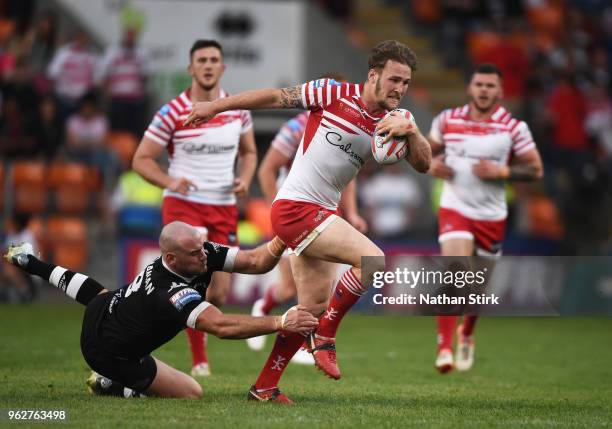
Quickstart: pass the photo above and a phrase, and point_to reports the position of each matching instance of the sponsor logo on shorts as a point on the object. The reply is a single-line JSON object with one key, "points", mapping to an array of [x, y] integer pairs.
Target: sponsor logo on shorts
{"points": [[184, 297], [320, 214], [447, 227], [300, 237]]}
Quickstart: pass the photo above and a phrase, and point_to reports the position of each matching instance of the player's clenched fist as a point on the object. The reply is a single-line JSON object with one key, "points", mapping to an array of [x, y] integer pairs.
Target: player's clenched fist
{"points": [[439, 168], [297, 319], [181, 185]]}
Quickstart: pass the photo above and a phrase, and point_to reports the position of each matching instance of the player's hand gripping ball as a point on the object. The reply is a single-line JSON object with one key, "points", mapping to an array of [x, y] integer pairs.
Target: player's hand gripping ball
{"points": [[396, 148]]}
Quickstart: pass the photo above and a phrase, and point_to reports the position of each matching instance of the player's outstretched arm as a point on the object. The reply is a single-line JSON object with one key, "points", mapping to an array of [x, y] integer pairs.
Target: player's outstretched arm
{"points": [[269, 98], [238, 326], [261, 259]]}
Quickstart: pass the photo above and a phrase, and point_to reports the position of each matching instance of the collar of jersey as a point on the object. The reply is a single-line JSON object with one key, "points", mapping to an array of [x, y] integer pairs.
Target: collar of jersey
{"points": [[364, 111], [499, 111], [187, 93], [187, 279]]}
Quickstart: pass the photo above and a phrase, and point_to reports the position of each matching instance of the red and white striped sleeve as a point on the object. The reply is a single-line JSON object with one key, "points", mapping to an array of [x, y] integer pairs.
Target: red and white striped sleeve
{"points": [[247, 121], [320, 93], [522, 141], [436, 133], [288, 138], [162, 126]]}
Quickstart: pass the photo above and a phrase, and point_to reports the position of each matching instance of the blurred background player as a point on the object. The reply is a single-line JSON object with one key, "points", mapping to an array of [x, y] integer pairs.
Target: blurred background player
{"points": [[200, 185], [124, 71], [272, 172], [336, 144], [476, 148]]}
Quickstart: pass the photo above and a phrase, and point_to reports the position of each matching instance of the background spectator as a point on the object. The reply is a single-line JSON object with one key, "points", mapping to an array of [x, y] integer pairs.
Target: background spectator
{"points": [[124, 72], [72, 71]]}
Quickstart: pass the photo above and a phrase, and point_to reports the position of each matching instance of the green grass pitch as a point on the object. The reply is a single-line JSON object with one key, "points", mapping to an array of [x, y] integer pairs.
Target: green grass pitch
{"points": [[529, 372]]}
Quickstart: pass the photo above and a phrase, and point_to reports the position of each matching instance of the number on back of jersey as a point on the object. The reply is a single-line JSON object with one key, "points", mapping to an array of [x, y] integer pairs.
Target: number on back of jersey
{"points": [[135, 285]]}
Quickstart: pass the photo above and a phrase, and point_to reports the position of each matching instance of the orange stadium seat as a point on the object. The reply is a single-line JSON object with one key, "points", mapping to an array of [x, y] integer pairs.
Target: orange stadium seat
{"points": [[29, 184], [545, 220], [480, 42], [73, 185], [428, 11], [258, 212], [124, 144], [7, 26], [66, 241]]}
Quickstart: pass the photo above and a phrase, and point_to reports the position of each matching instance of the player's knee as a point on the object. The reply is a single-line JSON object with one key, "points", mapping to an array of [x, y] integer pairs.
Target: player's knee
{"points": [[318, 308], [373, 257], [375, 261]]}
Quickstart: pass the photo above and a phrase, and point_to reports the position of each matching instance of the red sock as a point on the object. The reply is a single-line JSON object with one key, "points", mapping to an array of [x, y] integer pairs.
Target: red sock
{"points": [[469, 321], [446, 329], [197, 343], [269, 300], [347, 293], [285, 346]]}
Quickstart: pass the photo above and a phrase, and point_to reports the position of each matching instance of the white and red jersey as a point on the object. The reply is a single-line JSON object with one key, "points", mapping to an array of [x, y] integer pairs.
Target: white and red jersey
{"points": [[466, 142], [204, 154], [287, 141], [125, 71], [335, 145], [73, 71]]}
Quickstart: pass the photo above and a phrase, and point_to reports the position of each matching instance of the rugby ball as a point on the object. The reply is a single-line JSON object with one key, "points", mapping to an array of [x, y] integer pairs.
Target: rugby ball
{"points": [[393, 150]]}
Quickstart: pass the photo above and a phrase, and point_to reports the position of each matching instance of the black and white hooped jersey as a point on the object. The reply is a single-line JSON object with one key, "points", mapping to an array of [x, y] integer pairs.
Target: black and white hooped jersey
{"points": [[158, 304]]}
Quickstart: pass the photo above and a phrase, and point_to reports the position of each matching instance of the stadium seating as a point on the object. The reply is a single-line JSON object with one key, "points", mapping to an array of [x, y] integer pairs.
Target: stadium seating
{"points": [[73, 185], [29, 184], [124, 144], [66, 242]]}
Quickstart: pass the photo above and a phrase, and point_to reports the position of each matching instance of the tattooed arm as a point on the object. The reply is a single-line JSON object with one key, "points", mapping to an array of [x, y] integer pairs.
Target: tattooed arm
{"points": [[525, 167], [269, 98]]}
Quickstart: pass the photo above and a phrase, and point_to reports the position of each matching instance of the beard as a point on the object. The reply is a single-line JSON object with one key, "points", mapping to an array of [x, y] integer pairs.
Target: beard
{"points": [[379, 94], [207, 86], [487, 106]]}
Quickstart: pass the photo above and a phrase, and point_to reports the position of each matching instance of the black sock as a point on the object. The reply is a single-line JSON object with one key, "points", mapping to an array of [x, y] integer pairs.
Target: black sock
{"points": [[76, 285]]}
